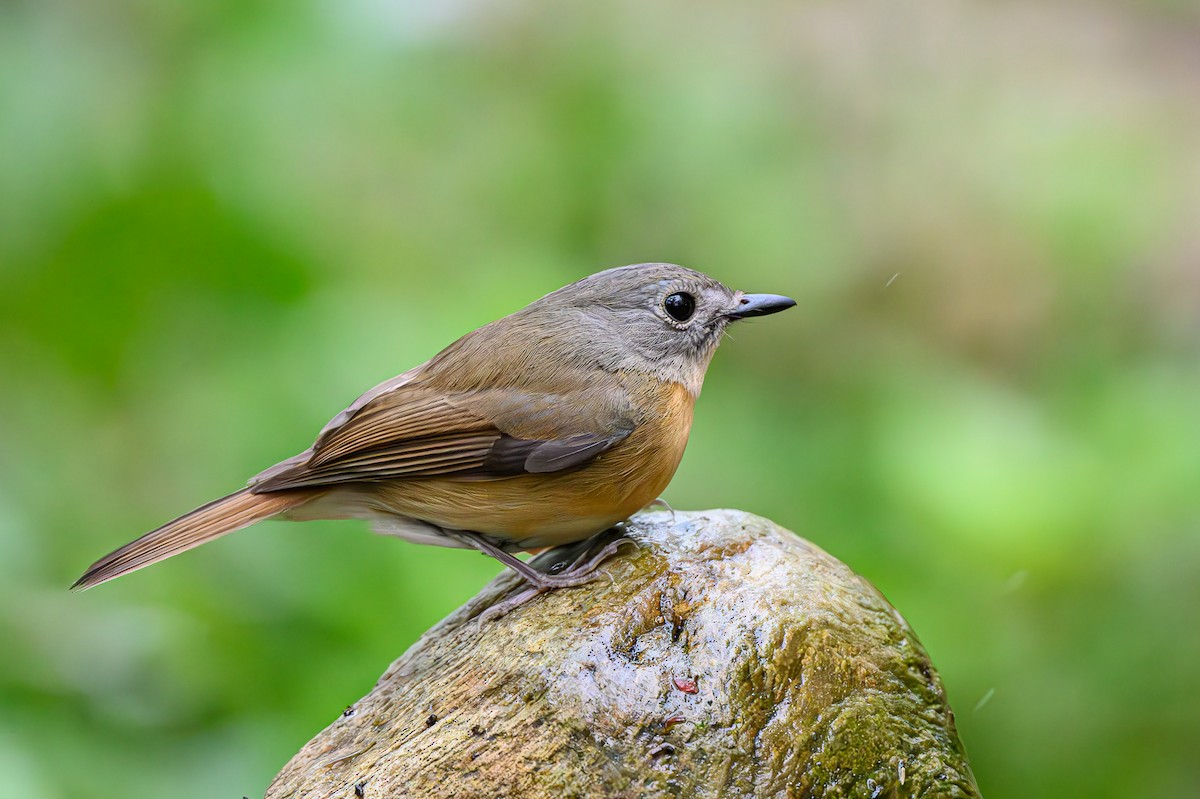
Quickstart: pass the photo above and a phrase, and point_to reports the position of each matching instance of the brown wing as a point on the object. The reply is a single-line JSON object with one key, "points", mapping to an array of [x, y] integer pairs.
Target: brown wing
{"points": [[415, 432]]}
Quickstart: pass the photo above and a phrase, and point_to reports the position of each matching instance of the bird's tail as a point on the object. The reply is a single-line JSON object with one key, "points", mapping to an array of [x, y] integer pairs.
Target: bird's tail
{"points": [[221, 516]]}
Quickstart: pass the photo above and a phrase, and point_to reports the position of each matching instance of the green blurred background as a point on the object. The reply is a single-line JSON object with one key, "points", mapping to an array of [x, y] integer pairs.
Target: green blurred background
{"points": [[220, 222]]}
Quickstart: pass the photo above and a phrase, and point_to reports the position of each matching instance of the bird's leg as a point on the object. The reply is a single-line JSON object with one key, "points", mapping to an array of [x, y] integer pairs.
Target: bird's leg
{"points": [[477, 541], [560, 572], [581, 570]]}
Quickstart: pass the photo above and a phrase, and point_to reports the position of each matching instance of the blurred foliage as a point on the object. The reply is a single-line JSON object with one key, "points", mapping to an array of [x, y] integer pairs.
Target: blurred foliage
{"points": [[219, 222]]}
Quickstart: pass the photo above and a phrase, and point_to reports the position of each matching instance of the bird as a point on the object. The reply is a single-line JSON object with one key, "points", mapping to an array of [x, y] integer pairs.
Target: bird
{"points": [[544, 428]]}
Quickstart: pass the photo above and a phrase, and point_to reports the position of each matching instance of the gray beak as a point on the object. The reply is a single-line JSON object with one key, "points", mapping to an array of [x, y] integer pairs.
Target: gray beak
{"points": [[760, 305]]}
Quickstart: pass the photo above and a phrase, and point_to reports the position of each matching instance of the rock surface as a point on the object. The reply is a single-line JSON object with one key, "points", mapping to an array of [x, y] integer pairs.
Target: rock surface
{"points": [[727, 658]]}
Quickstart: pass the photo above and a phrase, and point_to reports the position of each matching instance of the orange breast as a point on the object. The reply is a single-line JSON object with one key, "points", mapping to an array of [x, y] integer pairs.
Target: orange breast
{"points": [[537, 510]]}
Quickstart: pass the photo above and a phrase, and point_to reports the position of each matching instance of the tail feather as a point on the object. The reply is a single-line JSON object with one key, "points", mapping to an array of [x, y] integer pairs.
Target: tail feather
{"points": [[221, 516]]}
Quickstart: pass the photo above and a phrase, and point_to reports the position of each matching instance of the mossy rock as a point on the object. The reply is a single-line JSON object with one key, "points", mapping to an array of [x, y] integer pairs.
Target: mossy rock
{"points": [[726, 658]]}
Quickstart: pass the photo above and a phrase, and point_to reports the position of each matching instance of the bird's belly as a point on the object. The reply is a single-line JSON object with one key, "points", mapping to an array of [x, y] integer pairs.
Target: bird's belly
{"points": [[530, 510]]}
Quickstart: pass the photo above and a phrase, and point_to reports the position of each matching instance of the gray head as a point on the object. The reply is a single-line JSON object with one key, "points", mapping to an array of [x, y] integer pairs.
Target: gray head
{"points": [[655, 317]]}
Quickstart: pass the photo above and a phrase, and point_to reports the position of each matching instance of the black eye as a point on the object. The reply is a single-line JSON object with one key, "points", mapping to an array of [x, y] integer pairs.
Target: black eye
{"points": [[680, 306]]}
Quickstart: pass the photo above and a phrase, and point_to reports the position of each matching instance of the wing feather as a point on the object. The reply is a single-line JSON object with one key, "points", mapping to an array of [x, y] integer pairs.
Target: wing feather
{"points": [[411, 431], [395, 417]]}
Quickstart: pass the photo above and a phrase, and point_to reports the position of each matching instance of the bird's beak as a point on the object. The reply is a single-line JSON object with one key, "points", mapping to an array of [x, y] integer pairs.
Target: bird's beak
{"points": [[760, 305]]}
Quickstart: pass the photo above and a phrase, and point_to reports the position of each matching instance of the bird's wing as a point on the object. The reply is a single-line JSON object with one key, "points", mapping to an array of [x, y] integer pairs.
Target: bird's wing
{"points": [[414, 431]]}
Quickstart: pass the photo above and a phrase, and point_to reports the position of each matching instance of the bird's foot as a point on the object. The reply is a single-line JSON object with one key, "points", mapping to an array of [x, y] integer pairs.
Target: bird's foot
{"points": [[559, 572], [663, 504], [506, 606], [562, 567]]}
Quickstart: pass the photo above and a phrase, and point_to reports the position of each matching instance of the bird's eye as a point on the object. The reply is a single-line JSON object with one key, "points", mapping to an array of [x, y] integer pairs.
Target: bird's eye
{"points": [[680, 306]]}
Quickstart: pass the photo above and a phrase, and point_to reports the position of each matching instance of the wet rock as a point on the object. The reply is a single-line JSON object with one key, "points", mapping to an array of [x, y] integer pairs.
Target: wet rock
{"points": [[727, 657]]}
